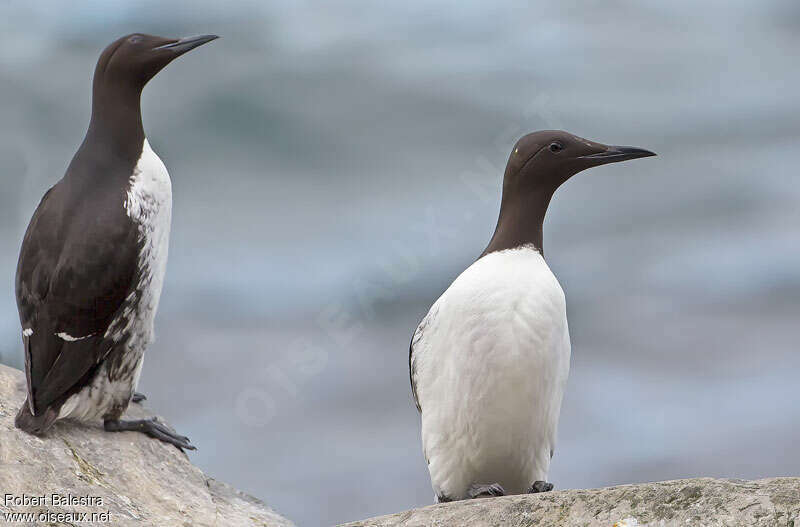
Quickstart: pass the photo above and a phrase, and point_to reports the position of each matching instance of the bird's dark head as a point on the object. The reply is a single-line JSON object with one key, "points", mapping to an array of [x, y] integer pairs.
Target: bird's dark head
{"points": [[131, 61], [546, 159], [539, 163]]}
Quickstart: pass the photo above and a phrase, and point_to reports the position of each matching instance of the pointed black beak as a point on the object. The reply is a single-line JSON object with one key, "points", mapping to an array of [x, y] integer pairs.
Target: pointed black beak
{"points": [[613, 154], [179, 47]]}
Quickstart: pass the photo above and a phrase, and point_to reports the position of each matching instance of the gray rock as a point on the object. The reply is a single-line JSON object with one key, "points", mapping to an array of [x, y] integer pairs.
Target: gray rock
{"points": [[140, 481], [698, 502]]}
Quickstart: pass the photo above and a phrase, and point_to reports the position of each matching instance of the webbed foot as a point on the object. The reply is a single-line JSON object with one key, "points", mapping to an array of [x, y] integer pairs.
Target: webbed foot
{"points": [[152, 428], [485, 491], [540, 486]]}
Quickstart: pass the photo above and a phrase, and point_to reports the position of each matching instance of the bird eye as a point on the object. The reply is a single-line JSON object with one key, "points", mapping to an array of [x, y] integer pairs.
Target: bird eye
{"points": [[135, 39], [556, 147]]}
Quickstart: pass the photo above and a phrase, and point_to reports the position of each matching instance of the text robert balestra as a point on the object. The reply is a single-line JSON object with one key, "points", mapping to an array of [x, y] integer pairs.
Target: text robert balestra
{"points": [[54, 499]]}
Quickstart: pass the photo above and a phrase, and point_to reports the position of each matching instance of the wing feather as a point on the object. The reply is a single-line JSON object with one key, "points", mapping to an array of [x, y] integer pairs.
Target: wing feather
{"points": [[419, 335], [77, 266]]}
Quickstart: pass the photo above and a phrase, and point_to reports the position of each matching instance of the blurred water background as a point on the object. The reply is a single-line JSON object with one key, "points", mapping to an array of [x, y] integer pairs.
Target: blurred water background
{"points": [[336, 165]]}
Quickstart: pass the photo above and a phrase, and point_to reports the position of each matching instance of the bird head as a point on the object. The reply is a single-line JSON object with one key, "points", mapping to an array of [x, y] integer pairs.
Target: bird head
{"points": [[133, 60], [544, 160]]}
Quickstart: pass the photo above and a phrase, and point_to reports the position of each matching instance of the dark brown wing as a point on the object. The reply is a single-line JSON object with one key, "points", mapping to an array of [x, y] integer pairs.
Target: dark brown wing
{"points": [[76, 267], [412, 375], [419, 334]]}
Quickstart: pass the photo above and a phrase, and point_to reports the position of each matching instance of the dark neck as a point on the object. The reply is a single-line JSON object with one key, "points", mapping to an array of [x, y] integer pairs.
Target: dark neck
{"points": [[520, 222], [115, 129]]}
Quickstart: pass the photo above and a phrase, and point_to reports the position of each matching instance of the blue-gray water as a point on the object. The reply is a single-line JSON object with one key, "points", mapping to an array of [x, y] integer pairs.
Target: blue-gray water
{"points": [[335, 166]]}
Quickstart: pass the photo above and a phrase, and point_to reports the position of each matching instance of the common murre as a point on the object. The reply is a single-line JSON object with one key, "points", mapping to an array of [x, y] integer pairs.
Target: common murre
{"points": [[94, 255], [489, 362]]}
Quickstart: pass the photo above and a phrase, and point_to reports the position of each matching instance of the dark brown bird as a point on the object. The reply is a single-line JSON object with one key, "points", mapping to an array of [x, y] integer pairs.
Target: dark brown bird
{"points": [[93, 258]]}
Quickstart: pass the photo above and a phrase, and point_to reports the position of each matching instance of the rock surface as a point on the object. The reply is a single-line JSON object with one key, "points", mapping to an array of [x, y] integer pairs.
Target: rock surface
{"points": [[703, 502], [136, 480], [140, 481]]}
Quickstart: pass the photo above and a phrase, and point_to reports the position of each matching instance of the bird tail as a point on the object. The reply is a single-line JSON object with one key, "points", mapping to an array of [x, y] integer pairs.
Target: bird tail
{"points": [[35, 424]]}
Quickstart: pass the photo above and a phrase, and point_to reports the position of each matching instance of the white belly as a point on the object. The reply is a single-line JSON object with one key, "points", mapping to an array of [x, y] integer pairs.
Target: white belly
{"points": [[491, 362], [98, 398], [149, 206]]}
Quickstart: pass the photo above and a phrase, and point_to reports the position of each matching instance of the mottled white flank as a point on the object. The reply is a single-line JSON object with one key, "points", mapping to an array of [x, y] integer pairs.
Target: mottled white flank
{"points": [[149, 206], [491, 361], [70, 338], [27, 332]]}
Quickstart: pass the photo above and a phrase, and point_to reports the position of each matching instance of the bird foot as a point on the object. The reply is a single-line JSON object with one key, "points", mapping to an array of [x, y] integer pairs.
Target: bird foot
{"points": [[485, 491], [152, 428], [138, 397], [540, 486]]}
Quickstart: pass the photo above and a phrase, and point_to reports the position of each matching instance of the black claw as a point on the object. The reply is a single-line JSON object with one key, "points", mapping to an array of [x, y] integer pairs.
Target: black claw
{"points": [[152, 428], [486, 491], [540, 486], [138, 397], [166, 430]]}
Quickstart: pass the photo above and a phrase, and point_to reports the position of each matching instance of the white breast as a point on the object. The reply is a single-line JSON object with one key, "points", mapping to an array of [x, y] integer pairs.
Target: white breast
{"points": [[149, 205], [491, 361]]}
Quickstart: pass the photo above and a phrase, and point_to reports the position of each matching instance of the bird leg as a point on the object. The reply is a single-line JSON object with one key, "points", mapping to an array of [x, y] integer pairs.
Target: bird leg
{"points": [[540, 486], [138, 397], [150, 427], [485, 491]]}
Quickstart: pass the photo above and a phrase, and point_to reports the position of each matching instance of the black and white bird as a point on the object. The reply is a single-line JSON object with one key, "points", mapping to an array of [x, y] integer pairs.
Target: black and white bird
{"points": [[489, 362], [93, 258]]}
